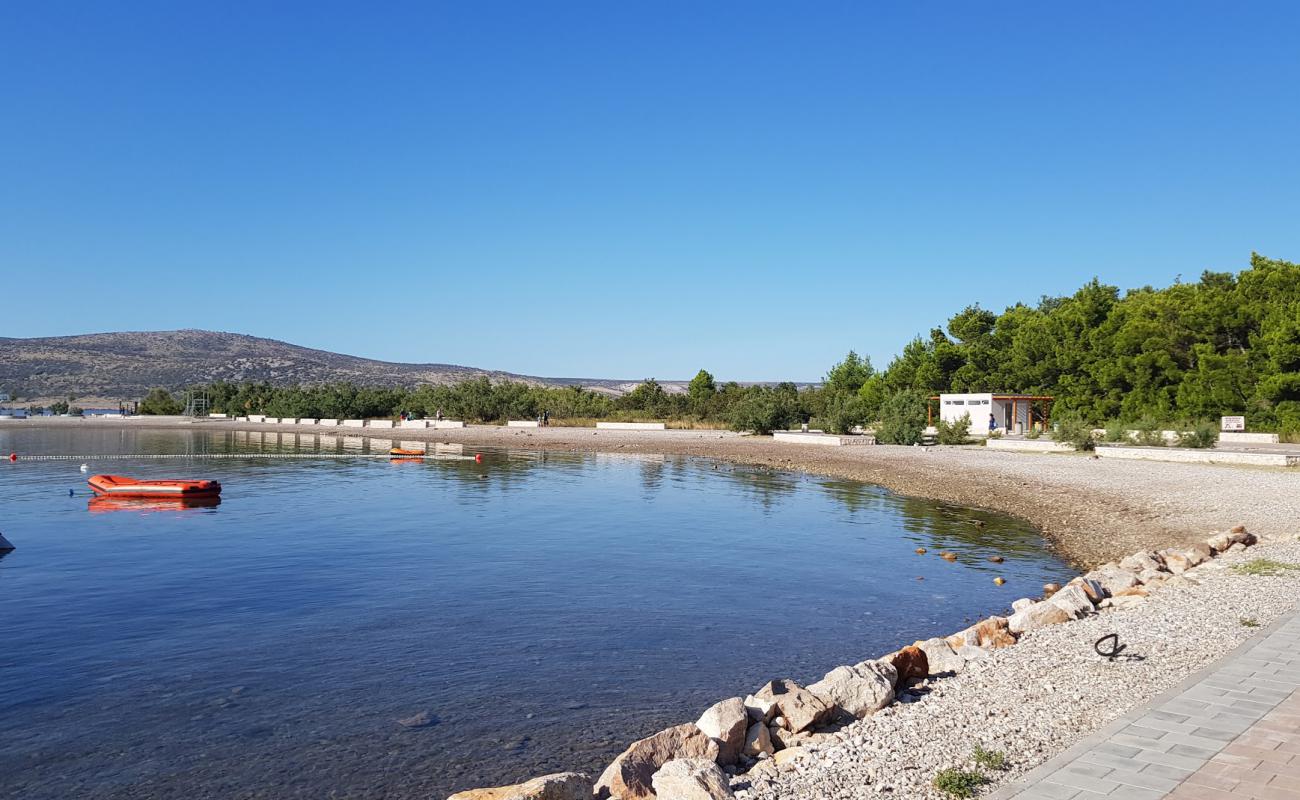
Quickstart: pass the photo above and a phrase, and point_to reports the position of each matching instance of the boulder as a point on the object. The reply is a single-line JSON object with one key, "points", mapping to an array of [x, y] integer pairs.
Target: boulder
{"points": [[1219, 542], [760, 709], [1175, 561], [1091, 587], [1039, 615], [1199, 553], [790, 754], [726, 723], [990, 633], [860, 690], [629, 776], [909, 663], [1240, 535], [1237, 529], [1021, 604], [1112, 578], [758, 740], [940, 657], [1149, 561], [691, 779], [1152, 577], [1074, 601], [969, 653], [560, 786], [801, 708]]}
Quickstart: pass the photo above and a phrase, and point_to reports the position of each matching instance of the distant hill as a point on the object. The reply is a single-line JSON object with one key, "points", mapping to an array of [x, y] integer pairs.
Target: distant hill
{"points": [[124, 366]]}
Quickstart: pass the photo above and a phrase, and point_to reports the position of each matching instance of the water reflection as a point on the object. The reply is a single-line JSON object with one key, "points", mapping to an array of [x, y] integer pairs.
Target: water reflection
{"points": [[101, 504]]}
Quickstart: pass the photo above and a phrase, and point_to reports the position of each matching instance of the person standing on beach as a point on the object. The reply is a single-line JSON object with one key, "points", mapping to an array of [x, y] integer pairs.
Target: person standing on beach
{"points": [[993, 422]]}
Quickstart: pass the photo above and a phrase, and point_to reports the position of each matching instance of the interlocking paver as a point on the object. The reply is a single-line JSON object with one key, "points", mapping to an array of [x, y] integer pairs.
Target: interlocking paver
{"points": [[1232, 733]]}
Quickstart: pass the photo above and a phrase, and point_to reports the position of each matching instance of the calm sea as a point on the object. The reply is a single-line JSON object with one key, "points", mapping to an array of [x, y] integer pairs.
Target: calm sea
{"points": [[541, 610]]}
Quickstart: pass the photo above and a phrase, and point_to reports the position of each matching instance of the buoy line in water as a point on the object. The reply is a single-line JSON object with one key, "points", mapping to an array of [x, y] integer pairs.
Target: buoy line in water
{"points": [[133, 456]]}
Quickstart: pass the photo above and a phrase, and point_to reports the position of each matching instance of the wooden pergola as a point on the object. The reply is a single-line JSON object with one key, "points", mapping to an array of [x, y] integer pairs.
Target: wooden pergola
{"points": [[1016, 399]]}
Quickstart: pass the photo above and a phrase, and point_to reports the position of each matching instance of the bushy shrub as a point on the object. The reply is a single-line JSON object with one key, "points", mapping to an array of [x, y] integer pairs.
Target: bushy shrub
{"points": [[160, 402], [902, 418], [955, 432], [1116, 431], [1034, 433], [762, 412], [1202, 434], [1076, 433], [959, 782], [843, 412], [1149, 433], [989, 759]]}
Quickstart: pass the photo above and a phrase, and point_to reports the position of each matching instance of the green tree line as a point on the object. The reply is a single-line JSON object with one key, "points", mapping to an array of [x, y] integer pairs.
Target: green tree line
{"points": [[1227, 344]]}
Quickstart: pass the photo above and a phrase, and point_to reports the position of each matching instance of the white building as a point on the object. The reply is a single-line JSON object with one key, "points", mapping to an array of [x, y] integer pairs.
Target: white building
{"points": [[1013, 413]]}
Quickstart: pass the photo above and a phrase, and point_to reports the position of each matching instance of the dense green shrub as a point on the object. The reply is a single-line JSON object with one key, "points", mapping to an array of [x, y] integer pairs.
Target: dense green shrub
{"points": [[1076, 433], [1116, 432], [1150, 433], [763, 412], [959, 782], [842, 412], [902, 418], [160, 402], [955, 432], [1202, 434]]}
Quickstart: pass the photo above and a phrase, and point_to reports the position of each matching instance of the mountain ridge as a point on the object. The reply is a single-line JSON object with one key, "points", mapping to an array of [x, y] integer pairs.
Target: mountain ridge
{"points": [[124, 365]]}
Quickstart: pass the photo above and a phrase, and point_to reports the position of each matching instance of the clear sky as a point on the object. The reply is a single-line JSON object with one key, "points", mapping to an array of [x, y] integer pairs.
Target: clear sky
{"points": [[623, 189]]}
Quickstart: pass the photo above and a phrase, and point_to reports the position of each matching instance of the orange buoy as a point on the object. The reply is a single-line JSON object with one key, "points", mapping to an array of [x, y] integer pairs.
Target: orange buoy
{"points": [[478, 458]]}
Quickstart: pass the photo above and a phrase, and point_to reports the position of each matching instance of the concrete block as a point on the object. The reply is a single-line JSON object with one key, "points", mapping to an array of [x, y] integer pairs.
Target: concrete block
{"points": [[1194, 456], [329, 423], [1043, 445], [415, 423], [271, 420], [306, 421], [445, 424], [256, 418], [631, 426], [379, 423], [523, 423], [354, 423], [1229, 437], [825, 439]]}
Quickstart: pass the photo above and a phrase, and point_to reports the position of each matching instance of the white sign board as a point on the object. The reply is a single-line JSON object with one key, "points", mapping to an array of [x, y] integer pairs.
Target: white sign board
{"points": [[1233, 424]]}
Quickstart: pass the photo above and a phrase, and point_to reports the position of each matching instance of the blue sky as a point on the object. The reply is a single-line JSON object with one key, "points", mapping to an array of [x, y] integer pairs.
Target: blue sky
{"points": [[629, 189]]}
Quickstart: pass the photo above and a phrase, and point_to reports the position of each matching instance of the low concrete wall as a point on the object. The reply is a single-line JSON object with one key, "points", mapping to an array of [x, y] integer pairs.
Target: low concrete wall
{"points": [[631, 426], [1233, 437], [523, 423], [354, 423], [825, 439], [288, 420], [445, 424], [210, 416], [379, 423], [415, 423], [306, 422], [271, 420], [329, 423], [256, 418], [1196, 456], [1029, 445]]}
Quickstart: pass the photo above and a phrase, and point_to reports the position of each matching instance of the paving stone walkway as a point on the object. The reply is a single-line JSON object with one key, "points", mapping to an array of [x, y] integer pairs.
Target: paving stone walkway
{"points": [[1230, 732]]}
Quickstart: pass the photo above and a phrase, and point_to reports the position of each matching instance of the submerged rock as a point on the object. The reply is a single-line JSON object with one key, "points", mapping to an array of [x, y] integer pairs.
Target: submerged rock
{"points": [[630, 775], [422, 719], [559, 786], [691, 779]]}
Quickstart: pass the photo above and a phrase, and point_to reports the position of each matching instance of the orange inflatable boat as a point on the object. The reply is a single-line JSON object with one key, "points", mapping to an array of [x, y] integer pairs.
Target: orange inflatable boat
{"points": [[401, 452], [120, 486]]}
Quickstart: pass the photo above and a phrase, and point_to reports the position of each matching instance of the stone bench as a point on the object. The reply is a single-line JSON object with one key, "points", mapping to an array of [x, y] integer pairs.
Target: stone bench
{"points": [[631, 426]]}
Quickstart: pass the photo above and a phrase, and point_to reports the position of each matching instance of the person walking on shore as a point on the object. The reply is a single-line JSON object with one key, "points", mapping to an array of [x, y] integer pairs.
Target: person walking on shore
{"points": [[993, 422]]}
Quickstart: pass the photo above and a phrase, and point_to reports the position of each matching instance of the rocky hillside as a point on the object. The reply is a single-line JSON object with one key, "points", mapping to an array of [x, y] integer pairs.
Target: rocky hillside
{"points": [[124, 366]]}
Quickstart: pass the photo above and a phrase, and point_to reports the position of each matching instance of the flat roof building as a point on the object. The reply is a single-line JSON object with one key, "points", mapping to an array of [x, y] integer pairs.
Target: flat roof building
{"points": [[1011, 413]]}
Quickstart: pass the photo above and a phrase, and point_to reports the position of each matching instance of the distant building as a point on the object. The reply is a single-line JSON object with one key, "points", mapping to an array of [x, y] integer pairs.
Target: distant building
{"points": [[1013, 413]]}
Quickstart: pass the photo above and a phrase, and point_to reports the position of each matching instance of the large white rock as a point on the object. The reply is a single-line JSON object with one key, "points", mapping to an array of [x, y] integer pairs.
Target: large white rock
{"points": [[1113, 579], [691, 779], [758, 740], [1143, 562], [629, 776], [1039, 615], [862, 689], [1074, 601], [760, 709], [801, 708], [726, 723], [941, 656]]}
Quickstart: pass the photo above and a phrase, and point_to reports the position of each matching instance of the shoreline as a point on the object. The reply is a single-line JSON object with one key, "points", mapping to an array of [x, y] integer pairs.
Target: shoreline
{"points": [[1089, 510]]}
